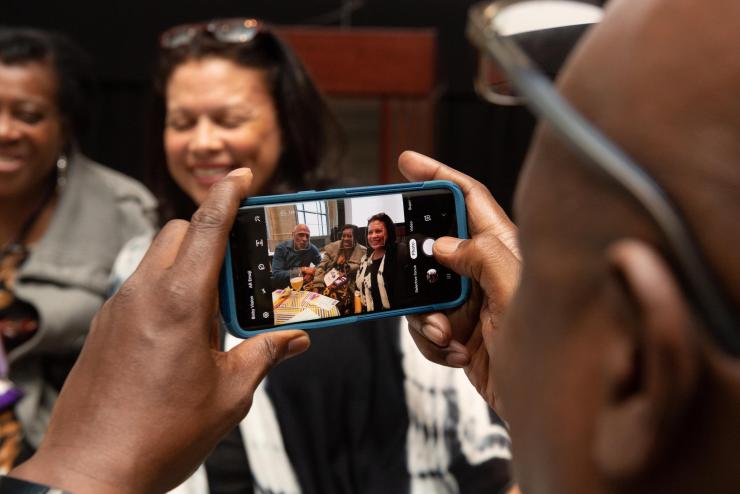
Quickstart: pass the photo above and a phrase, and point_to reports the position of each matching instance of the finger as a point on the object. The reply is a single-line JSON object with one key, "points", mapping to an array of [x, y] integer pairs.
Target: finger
{"points": [[435, 327], [485, 259], [483, 210], [253, 358], [452, 353], [163, 249], [202, 250]]}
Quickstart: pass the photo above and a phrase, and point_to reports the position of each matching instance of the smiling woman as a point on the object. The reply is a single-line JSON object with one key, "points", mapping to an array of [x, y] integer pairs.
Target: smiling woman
{"points": [[220, 116], [27, 96], [234, 96], [63, 218], [376, 291]]}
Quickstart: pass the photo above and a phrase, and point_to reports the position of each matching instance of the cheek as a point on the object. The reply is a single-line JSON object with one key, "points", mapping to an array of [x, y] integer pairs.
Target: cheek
{"points": [[505, 360], [175, 146], [49, 141], [176, 152], [271, 140], [260, 149], [520, 363], [541, 383], [175, 149], [516, 370]]}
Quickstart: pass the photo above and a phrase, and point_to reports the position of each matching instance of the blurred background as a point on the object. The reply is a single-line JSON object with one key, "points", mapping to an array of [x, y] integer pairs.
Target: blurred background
{"points": [[482, 140]]}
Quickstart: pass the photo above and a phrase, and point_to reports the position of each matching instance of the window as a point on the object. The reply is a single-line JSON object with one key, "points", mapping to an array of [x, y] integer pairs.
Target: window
{"points": [[314, 215]]}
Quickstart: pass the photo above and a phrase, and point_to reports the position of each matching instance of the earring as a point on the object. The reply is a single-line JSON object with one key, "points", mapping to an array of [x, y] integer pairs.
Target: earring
{"points": [[61, 171]]}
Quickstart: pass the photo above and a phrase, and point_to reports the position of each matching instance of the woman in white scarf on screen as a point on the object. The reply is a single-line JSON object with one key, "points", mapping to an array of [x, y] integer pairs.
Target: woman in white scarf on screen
{"points": [[379, 266]]}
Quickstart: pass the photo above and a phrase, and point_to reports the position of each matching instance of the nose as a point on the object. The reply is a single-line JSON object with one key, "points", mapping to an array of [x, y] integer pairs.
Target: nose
{"points": [[205, 139]]}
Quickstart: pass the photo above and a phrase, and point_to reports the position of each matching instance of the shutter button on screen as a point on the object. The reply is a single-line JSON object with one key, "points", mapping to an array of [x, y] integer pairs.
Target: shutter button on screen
{"points": [[426, 247]]}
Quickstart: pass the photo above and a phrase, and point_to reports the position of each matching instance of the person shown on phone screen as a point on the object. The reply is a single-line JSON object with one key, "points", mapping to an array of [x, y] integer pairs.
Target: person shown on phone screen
{"points": [[344, 255], [295, 258], [335, 274], [378, 282]]}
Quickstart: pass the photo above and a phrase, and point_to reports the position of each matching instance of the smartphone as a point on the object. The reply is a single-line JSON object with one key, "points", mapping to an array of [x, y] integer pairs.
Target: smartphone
{"points": [[314, 259]]}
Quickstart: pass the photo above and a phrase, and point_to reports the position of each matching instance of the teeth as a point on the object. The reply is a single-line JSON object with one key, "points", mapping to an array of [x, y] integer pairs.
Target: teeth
{"points": [[211, 171], [10, 163]]}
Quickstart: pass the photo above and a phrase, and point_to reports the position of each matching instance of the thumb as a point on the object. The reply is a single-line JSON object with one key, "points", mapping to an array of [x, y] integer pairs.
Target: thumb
{"points": [[252, 359], [484, 258], [455, 253]]}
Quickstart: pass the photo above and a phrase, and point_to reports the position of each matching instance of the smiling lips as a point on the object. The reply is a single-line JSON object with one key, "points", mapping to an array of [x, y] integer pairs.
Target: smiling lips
{"points": [[10, 163], [376, 242]]}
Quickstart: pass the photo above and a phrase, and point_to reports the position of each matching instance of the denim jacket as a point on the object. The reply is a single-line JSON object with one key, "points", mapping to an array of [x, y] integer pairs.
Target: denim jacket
{"points": [[287, 262]]}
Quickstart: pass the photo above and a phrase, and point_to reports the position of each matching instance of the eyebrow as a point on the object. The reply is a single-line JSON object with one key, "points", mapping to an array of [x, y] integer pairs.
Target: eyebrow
{"points": [[39, 102]]}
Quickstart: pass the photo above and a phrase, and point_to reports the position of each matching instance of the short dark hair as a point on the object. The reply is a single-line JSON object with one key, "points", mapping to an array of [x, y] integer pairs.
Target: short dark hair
{"points": [[70, 64], [313, 142], [390, 228]]}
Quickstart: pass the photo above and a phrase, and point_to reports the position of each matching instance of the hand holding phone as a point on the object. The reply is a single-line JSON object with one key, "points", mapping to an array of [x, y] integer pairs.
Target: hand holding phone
{"points": [[340, 255], [464, 336]]}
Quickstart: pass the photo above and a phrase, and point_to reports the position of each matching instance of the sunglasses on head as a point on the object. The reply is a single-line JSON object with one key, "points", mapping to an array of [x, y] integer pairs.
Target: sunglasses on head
{"points": [[233, 30]]}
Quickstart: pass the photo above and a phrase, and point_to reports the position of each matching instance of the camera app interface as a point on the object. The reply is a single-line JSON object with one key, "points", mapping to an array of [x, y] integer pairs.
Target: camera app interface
{"points": [[330, 258]]}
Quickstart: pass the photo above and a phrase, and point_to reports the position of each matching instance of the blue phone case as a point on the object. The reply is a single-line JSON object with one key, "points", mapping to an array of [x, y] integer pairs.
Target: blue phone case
{"points": [[227, 298]]}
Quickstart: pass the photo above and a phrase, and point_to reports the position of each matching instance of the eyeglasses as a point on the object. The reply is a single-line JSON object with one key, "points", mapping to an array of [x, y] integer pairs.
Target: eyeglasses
{"points": [[494, 28], [235, 30]]}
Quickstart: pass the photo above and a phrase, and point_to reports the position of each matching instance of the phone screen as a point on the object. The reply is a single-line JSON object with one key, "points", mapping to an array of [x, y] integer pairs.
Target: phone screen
{"points": [[333, 258]]}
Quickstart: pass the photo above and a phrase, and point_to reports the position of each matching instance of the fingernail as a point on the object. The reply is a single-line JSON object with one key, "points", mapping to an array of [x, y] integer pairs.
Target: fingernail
{"points": [[239, 172], [457, 359], [297, 346], [446, 245], [456, 347], [433, 334]]}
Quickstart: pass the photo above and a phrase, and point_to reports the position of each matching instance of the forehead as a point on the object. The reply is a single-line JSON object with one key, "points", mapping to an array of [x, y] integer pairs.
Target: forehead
{"points": [[555, 186], [545, 188], [30, 81], [301, 229], [565, 212], [376, 224], [347, 231], [215, 82]]}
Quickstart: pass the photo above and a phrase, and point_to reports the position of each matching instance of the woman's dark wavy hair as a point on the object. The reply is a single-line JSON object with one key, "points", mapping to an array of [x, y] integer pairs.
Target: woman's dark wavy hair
{"points": [[312, 140], [72, 66], [390, 229]]}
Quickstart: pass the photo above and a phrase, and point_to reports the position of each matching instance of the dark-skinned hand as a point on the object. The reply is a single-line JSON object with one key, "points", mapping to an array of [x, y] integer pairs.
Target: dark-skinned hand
{"points": [[490, 258], [149, 398]]}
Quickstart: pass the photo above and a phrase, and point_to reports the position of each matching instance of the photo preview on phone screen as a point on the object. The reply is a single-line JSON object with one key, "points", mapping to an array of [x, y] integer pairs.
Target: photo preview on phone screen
{"points": [[330, 258]]}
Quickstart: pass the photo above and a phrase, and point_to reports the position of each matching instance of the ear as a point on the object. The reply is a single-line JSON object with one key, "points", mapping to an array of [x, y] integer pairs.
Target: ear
{"points": [[651, 369]]}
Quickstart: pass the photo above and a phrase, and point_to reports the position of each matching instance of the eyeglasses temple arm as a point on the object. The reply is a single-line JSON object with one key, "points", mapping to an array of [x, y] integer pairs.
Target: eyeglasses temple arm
{"points": [[543, 99]]}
